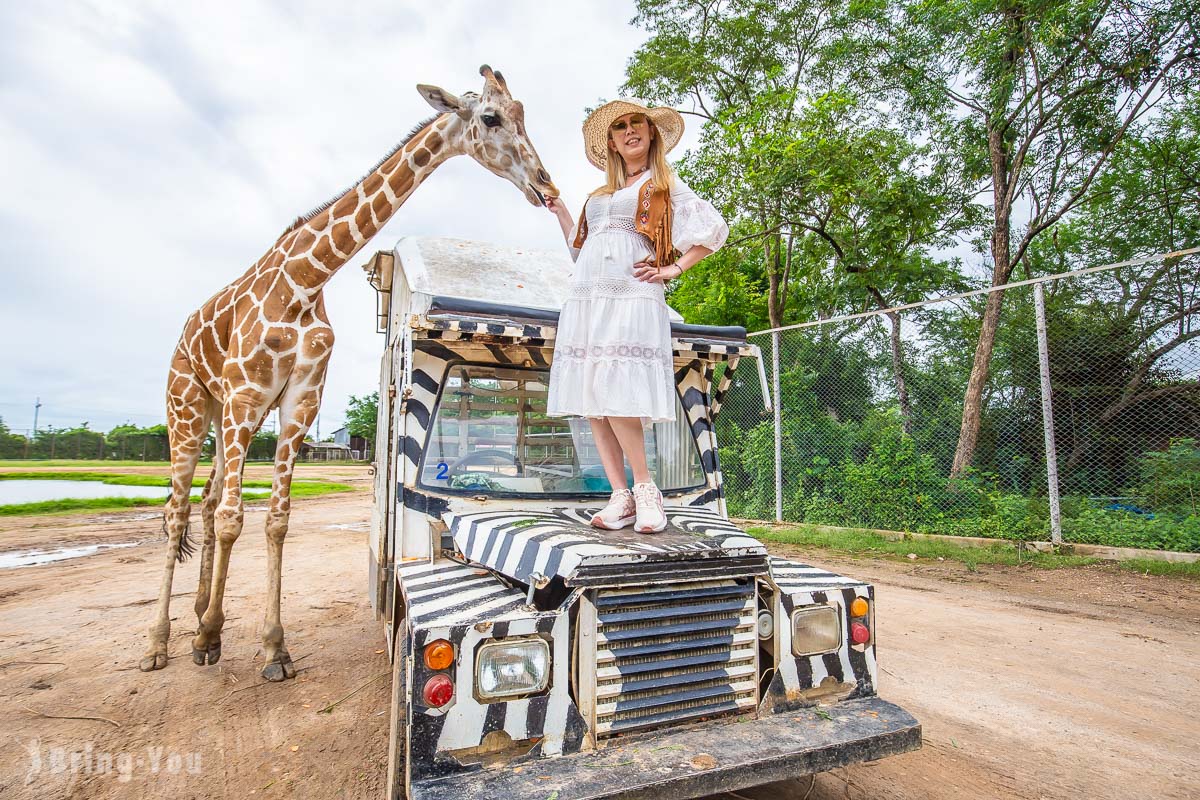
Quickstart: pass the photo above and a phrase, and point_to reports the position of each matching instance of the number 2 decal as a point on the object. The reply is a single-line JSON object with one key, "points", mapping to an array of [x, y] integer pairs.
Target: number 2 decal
{"points": [[442, 470]]}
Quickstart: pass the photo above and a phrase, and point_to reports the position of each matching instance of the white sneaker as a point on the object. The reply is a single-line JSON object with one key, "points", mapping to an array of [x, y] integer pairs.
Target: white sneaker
{"points": [[619, 513], [650, 515]]}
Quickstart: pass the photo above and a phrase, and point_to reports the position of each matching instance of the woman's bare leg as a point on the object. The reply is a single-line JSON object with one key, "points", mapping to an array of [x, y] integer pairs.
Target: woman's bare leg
{"points": [[610, 452], [628, 431]]}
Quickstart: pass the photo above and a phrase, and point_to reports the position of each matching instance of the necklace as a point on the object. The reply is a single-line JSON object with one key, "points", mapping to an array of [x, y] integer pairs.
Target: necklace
{"points": [[638, 171]]}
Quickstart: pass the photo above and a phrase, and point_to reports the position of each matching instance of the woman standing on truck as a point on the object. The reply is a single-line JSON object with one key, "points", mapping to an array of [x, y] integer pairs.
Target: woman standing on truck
{"points": [[612, 358]]}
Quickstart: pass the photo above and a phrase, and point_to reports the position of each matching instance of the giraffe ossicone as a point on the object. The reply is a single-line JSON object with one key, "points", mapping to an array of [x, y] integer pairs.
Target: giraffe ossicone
{"points": [[263, 342]]}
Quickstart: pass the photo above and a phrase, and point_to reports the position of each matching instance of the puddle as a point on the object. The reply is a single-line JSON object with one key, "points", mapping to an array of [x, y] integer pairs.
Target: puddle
{"points": [[32, 558], [107, 519], [348, 526]]}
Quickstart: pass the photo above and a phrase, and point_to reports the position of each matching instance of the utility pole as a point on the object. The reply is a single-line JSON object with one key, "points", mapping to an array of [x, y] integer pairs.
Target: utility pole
{"points": [[37, 404]]}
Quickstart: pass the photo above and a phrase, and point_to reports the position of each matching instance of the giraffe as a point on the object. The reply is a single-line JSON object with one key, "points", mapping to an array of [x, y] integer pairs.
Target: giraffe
{"points": [[263, 342]]}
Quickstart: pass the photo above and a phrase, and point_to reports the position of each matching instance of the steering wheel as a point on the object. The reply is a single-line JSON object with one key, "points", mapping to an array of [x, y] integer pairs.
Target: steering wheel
{"points": [[484, 456]]}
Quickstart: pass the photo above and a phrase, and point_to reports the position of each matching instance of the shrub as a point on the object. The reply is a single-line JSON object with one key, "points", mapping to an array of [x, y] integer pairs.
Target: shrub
{"points": [[1171, 478]]}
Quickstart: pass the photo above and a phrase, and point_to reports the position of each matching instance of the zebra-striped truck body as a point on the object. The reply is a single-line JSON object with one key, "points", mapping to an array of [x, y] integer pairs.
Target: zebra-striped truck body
{"points": [[530, 648]]}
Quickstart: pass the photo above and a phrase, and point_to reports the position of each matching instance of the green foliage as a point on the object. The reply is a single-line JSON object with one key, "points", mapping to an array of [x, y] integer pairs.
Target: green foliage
{"points": [[12, 445], [1171, 478], [1119, 528], [362, 414]]}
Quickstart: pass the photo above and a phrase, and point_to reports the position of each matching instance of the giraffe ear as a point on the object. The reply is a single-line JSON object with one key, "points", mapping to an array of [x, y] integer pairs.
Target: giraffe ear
{"points": [[440, 99]]}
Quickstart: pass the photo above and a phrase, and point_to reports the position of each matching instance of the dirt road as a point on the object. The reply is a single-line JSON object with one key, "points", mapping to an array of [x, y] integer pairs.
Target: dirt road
{"points": [[1029, 684]]}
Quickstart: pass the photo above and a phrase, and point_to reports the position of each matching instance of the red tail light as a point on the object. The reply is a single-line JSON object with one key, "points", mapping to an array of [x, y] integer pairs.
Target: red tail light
{"points": [[438, 691], [859, 633]]}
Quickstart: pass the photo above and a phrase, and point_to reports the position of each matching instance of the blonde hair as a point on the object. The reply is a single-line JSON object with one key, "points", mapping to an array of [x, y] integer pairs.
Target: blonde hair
{"points": [[660, 171]]}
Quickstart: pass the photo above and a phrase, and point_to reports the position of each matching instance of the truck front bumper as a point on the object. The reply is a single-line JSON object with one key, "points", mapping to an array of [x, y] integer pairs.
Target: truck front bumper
{"points": [[721, 756]]}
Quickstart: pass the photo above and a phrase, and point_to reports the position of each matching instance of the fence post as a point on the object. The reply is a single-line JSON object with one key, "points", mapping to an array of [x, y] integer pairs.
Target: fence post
{"points": [[1039, 304], [778, 414]]}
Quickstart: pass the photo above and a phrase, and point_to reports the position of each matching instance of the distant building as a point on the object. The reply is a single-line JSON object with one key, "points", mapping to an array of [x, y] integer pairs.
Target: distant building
{"points": [[325, 451], [360, 447]]}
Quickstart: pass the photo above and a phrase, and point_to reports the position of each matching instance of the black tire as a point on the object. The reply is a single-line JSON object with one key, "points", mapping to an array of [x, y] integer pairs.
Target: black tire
{"points": [[397, 774]]}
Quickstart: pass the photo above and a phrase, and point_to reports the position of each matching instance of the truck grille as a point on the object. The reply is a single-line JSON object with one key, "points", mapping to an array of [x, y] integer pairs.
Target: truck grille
{"points": [[674, 652]]}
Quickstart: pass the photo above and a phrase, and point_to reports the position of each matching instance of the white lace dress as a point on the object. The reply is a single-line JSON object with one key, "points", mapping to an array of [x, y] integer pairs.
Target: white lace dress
{"points": [[612, 357]]}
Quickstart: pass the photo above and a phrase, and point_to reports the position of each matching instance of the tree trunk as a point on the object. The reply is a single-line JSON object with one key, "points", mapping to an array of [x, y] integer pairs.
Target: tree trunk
{"points": [[968, 435], [771, 247], [897, 360], [898, 373]]}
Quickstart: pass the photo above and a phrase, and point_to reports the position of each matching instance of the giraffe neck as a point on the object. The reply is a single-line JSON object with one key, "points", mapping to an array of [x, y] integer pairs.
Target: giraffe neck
{"points": [[319, 247]]}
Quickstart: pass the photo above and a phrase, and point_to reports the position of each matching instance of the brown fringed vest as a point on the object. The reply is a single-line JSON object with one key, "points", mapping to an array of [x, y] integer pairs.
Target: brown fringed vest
{"points": [[653, 219]]}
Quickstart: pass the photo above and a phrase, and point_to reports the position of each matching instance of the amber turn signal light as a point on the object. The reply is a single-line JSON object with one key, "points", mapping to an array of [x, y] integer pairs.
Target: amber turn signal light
{"points": [[859, 607], [439, 654]]}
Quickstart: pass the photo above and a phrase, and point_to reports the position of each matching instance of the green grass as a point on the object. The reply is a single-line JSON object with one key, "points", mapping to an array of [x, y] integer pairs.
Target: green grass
{"points": [[865, 543], [1146, 566], [67, 505]]}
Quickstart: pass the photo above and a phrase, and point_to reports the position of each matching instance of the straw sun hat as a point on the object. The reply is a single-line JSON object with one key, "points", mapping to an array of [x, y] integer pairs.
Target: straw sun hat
{"points": [[668, 121]]}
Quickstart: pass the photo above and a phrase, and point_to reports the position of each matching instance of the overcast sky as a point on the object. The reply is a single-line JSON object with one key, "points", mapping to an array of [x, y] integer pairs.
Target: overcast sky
{"points": [[151, 152]]}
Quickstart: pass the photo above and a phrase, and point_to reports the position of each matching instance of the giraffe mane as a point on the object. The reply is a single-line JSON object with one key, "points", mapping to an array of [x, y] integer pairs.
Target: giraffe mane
{"points": [[318, 209]]}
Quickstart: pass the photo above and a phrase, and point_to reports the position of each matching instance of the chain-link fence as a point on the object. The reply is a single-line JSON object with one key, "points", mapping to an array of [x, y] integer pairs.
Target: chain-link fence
{"points": [[870, 415]]}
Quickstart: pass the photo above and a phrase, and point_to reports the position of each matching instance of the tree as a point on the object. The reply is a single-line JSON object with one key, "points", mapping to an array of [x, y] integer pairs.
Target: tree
{"points": [[128, 441], [878, 201], [362, 415], [1037, 94], [1136, 324], [745, 68], [12, 445]]}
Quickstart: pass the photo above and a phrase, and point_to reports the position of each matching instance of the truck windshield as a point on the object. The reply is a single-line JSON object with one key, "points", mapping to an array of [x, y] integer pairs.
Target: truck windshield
{"points": [[491, 435]]}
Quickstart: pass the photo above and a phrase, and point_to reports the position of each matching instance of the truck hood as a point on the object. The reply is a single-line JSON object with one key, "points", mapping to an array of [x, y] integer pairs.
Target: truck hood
{"points": [[533, 545]]}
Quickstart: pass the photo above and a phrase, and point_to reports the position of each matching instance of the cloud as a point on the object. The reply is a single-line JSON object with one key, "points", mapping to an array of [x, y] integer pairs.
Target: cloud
{"points": [[154, 151]]}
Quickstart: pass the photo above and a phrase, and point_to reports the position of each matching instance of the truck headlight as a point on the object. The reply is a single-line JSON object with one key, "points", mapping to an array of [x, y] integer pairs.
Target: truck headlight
{"points": [[816, 629], [512, 668]]}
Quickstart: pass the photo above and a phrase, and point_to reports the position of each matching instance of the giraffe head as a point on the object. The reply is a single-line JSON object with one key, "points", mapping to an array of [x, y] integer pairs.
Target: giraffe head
{"points": [[492, 126]]}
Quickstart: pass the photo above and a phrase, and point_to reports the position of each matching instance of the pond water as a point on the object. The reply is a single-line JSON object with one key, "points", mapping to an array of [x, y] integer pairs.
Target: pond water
{"points": [[36, 491], [31, 558]]}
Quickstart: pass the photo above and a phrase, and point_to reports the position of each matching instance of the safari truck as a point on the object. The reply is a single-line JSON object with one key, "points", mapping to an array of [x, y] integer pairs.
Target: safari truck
{"points": [[535, 656]]}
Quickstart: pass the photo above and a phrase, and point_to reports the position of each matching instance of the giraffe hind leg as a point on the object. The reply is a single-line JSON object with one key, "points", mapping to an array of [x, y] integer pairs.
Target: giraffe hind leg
{"points": [[187, 548], [208, 507], [187, 425]]}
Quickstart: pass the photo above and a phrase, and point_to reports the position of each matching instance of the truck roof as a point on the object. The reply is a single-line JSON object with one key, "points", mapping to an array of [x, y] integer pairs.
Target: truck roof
{"points": [[462, 289]]}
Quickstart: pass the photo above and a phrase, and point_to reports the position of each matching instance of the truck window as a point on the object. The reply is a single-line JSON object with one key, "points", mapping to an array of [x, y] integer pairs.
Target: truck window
{"points": [[491, 435]]}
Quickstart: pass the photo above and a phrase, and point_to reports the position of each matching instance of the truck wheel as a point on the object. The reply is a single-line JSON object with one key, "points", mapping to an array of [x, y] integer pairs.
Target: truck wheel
{"points": [[398, 741]]}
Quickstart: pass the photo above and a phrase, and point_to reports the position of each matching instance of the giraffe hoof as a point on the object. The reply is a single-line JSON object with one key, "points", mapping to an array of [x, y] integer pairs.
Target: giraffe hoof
{"points": [[209, 656], [280, 668], [152, 661]]}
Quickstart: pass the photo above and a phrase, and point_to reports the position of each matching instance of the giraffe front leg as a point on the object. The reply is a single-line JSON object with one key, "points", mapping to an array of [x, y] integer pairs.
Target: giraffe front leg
{"points": [[297, 410], [277, 664], [240, 418]]}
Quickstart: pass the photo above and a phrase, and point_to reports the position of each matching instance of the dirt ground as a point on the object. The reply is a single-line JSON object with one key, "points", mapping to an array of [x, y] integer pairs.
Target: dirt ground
{"points": [[1029, 684]]}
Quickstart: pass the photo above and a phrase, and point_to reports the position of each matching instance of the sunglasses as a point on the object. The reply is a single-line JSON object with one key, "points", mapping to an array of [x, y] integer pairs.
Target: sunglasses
{"points": [[634, 119]]}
